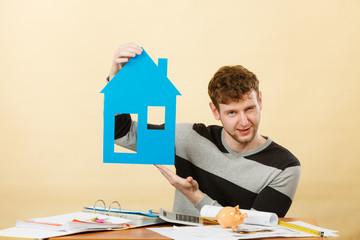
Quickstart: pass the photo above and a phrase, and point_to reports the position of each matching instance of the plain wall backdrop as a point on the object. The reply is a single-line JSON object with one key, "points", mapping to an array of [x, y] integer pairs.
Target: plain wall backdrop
{"points": [[55, 56]]}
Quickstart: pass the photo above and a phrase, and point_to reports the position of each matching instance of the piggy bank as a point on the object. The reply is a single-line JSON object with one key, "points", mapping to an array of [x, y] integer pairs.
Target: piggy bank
{"points": [[230, 217]]}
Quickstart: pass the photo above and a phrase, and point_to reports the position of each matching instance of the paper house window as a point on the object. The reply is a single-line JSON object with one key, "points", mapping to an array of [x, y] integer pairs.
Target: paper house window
{"points": [[156, 116], [120, 149]]}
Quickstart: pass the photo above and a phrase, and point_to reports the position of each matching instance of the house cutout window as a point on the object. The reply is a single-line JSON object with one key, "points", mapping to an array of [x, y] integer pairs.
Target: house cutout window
{"points": [[123, 149], [156, 118]]}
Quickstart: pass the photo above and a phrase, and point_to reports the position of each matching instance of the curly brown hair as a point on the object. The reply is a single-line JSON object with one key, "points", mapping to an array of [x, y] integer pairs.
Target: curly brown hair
{"points": [[231, 83]]}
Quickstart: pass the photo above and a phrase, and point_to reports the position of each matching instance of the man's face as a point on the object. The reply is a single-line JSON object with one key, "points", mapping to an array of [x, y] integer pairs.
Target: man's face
{"points": [[241, 121]]}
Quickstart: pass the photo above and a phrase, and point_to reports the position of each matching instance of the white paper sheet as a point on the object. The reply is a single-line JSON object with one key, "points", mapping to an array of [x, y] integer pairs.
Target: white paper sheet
{"points": [[31, 233], [244, 231]]}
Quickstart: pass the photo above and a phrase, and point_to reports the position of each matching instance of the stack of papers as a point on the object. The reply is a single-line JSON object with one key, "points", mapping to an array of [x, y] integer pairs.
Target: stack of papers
{"points": [[258, 224], [66, 224], [61, 225], [244, 231]]}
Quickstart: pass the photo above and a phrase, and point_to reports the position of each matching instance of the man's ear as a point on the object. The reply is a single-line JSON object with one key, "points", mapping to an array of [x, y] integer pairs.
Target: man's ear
{"points": [[260, 100], [214, 111]]}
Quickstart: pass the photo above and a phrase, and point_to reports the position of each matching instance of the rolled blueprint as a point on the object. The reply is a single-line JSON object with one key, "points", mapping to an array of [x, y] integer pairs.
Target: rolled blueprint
{"points": [[254, 217]]}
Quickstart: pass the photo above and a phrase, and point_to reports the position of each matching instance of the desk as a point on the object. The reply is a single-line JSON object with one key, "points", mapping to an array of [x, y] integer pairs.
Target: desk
{"points": [[143, 233]]}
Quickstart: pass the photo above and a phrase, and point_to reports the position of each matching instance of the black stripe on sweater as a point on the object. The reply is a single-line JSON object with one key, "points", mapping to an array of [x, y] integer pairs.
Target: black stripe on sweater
{"points": [[275, 156], [122, 125], [212, 133], [219, 189], [274, 201]]}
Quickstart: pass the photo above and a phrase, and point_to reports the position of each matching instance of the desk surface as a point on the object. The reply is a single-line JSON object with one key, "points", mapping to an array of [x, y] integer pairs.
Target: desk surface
{"points": [[143, 233]]}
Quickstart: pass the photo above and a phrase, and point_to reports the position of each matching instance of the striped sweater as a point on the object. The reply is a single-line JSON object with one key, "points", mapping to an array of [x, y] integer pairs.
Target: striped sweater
{"points": [[264, 178]]}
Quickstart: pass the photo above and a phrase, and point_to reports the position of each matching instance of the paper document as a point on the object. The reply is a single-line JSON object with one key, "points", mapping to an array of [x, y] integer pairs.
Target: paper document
{"points": [[244, 231], [61, 225]]}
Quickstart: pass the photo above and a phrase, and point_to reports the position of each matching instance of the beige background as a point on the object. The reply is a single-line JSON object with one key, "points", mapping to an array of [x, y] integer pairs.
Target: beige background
{"points": [[55, 55]]}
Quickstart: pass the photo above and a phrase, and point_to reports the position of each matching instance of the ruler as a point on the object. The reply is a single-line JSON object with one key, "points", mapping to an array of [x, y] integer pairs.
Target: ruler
{"points": [[301, 228]]}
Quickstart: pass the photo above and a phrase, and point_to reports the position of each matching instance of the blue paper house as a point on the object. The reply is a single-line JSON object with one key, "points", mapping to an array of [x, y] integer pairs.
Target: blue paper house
{"points": [[141, 84]]}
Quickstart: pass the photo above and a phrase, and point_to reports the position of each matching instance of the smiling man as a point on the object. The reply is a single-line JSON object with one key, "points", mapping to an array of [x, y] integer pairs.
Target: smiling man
{"points": [[240, 118], [226, 165]]}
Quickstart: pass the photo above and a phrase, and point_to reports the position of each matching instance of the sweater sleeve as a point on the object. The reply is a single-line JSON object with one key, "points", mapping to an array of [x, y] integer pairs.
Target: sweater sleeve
{"points": [[278, 195], [125, 131], [206, 200], [122, 125]]}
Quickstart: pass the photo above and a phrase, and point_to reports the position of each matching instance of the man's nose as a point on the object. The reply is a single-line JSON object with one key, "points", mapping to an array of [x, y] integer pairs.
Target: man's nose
{"points": [[243, 120]]}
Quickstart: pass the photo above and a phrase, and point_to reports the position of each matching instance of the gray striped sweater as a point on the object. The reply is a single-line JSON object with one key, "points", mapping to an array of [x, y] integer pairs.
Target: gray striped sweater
{"points": [[264, 178]]}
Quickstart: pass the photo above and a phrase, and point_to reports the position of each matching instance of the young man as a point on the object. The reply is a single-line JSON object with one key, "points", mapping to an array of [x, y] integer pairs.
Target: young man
{"points": [[224, 165]]}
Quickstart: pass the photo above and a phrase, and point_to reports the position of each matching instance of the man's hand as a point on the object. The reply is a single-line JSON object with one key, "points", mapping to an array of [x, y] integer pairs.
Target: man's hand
{"points": [[189, 187], [122, 56]]}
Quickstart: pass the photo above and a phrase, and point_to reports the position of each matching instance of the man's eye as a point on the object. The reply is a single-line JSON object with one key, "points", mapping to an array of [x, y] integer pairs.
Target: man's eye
{"points": [[231, 113]]}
